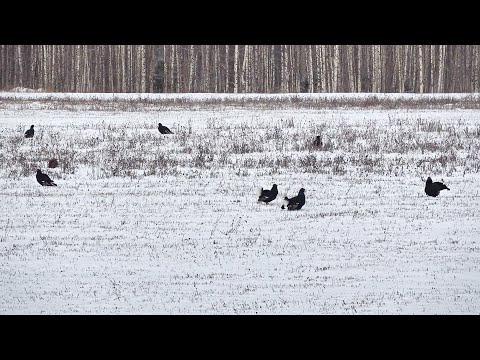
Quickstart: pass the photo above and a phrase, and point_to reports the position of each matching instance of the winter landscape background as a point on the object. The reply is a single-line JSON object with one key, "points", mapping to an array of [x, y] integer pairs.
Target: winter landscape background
{"points": [[144, 223]]}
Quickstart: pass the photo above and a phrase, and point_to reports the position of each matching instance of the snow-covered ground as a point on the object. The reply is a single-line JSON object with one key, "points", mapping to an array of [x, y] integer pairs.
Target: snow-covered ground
{"points": [[144, 223]]}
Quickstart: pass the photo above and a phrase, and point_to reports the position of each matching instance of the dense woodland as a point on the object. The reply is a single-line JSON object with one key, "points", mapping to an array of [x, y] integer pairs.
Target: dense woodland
{"points": [[241, 68]]}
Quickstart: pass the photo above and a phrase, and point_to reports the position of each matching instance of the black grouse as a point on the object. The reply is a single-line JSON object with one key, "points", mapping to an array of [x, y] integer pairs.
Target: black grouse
{"points": [[164, 129], [268, 195], [318, 141], [433, 188], [295, 203], [29, 133], [43, 179]]}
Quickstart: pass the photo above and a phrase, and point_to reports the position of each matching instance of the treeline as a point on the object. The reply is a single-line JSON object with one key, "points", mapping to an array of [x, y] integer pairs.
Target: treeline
{"points": [[241, 68]]}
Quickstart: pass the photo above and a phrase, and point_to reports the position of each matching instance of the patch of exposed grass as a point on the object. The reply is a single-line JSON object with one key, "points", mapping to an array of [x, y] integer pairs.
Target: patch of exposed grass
{"points": [[117, 102], [408, 145]]}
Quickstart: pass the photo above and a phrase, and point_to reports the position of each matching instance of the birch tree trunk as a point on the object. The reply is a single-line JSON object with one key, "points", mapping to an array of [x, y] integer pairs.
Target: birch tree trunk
{"points": [[127, 70], [227, 69], [265, 69], [173, 75], [420, 69], [120, 68], [51, 68], [3, 67], [351, 74], [447, 69], [335, 68], [395, 67], [400, 60], [216, 68], [19, 72], [143, 66], [273, 65], [207, 81], [468, 81], [475, 70], [284, 69], [318, 56], [235, 70], [407, 71], [309, 69], [245, 71], [376, 74], [192, 68], [433, 68], [181, 79], [294, 68], [360, 68], [415, 68], [44, 67], [325, 65]]}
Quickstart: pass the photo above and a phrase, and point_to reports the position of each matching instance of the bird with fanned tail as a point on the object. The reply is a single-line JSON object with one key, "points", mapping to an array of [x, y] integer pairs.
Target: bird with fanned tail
{"points": [[434, 188], [266, 196], [296, 202]]}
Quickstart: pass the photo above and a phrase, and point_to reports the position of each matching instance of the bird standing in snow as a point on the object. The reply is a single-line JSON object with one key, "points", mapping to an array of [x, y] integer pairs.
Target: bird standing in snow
{"points": [[295, 203], [44, 179], [268, 195], [317, 142], [29, 133], [164, 129], [434, 188]]}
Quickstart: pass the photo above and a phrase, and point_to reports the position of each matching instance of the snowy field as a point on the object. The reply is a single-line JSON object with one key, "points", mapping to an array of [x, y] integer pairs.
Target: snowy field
{"points": [[144, 223]]}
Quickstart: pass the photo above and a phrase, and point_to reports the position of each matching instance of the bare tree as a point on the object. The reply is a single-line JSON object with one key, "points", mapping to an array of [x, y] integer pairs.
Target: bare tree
{"points": [[420, 68], [235, 70]]}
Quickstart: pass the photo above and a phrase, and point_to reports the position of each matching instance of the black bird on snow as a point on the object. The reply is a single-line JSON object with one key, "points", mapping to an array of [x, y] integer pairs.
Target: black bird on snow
{"points": [[29, 133], [434, 188], [318, 141], [295, 203], [44, 179], [268, 195], [164, 129]]}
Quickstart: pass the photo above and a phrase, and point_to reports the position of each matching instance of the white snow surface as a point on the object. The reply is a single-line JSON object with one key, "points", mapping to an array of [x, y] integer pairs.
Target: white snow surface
{"points": [[187, 239]]}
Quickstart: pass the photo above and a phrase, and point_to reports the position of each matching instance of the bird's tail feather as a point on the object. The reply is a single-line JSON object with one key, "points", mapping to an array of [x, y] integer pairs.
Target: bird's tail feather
{"points": [[284, 202], [259, 191]]}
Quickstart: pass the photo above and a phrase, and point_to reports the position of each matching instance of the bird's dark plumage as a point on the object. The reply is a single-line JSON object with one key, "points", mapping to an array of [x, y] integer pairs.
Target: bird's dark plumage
{"points": [[434, 188], [44, 179], [295, 203], [29, 133], [318, 141], [268, 195], [164, 129]]}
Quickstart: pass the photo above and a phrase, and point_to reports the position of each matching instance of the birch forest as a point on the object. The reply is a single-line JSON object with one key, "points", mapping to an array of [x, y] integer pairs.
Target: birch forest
{"points": [[241, 68]]}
